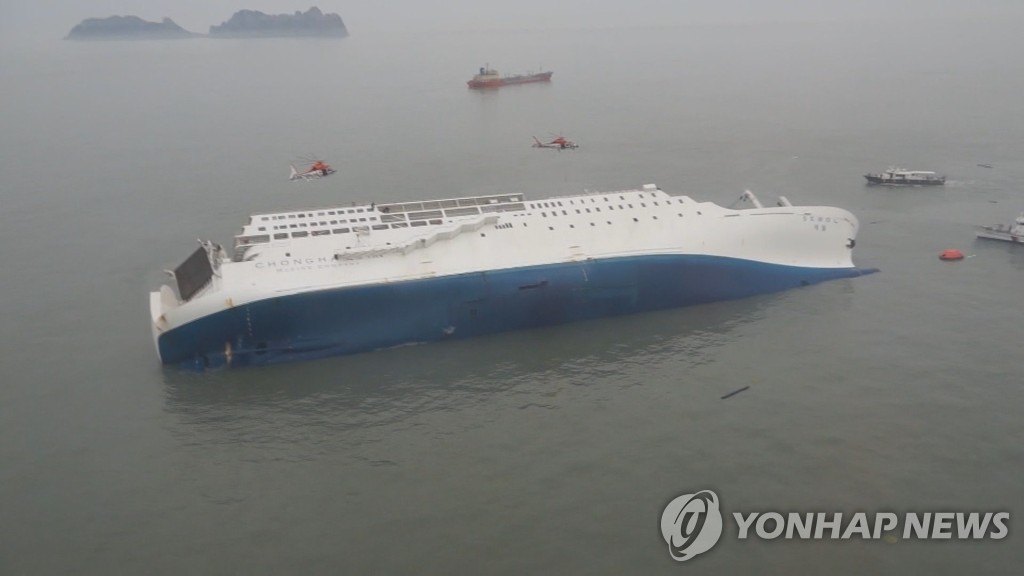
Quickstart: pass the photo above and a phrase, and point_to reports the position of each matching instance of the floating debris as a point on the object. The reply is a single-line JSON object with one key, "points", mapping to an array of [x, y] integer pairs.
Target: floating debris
{"points": [[985, 165], [734, 392]]}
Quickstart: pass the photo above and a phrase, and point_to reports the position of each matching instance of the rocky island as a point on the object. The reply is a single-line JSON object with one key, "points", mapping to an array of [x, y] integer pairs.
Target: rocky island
{"points": [[127, 28], [255, 24]]}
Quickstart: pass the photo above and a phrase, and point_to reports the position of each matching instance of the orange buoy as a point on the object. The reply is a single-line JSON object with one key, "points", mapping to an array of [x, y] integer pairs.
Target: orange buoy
{"points": [[951, 254]]}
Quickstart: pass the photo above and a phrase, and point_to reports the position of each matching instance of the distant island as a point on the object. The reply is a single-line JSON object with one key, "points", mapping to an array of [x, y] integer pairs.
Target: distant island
{"points": [[127, 28], [255, 24], [243, 24]]}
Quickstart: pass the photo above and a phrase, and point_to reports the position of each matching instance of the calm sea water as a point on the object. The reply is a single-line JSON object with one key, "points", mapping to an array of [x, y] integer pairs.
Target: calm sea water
{"points": [[548, 451]]}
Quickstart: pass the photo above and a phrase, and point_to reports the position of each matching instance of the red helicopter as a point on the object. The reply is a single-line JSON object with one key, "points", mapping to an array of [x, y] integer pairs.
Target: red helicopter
{"points": [[318, 169], [559, 143]]}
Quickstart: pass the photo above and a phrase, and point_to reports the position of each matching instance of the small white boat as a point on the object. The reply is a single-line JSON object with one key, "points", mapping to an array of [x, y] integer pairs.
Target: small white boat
{"points": [[901, 177], [1012, 233]]}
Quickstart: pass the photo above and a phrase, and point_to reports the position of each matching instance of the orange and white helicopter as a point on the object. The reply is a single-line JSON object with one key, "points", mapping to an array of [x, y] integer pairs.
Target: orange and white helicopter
{"points": [[317, 169], [559, 143]]}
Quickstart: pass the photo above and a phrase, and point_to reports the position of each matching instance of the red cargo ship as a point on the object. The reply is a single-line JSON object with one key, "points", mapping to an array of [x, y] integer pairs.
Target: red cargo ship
{"points": [[489, 78]]}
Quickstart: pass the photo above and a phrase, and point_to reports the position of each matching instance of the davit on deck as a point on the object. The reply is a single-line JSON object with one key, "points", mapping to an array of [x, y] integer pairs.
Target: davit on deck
{"points": [[312, 283]]}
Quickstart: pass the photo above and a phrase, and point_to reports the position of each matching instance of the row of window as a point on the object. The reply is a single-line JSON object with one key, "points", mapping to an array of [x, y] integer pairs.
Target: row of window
{"points": [[427, 205], [428, 215], [326, 232], [423, 222], [566, 213], [583, 202], [609, 222], [321, 223], [413, 216], [385, 218], [446, 204], [263, 238], [416, 224], [314, 214]]}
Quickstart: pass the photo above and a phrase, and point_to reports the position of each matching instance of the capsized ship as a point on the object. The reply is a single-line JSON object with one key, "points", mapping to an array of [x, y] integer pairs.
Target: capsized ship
{"points": [[489, 78], [312, 283]]}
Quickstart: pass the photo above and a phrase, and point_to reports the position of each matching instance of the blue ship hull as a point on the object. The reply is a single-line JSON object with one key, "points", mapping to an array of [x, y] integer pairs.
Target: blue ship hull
{"points": [[359, 319]]}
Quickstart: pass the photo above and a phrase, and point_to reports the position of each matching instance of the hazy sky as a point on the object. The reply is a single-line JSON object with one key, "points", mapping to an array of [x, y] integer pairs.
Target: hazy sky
{"points": [[53, 18]]}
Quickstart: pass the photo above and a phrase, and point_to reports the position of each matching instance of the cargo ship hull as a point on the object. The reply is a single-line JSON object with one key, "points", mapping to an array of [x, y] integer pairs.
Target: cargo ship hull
{"points": [[361, 319], [478, 83]]}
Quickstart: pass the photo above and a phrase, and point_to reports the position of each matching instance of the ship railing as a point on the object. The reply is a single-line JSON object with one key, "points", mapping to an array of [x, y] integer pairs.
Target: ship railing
{"points": [[650, 188], [412, 207], [421, 242]]}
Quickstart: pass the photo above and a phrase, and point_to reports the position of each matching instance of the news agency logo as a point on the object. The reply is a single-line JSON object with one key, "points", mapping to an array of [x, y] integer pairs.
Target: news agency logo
{"points": [[888, 525], [691, 524]]}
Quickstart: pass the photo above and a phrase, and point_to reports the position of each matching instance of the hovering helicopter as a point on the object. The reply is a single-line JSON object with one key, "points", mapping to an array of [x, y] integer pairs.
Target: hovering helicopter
{"points": [[559, 143], [317, 169]]}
